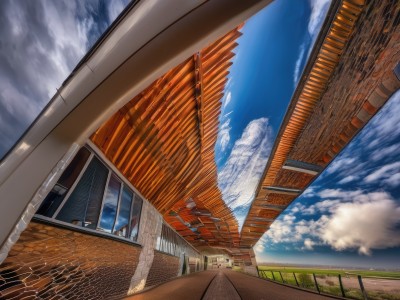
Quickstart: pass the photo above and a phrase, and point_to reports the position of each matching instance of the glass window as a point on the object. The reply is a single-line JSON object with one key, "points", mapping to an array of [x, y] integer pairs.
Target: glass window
{"points": [[83, 206], [94, 198], [122, 223], [64, 184], [135, 218], [110, 204]]}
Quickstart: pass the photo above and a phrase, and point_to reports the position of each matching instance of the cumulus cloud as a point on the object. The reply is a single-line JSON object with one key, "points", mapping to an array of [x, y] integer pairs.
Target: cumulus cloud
{"points": [[365, 224], [309, 244], [281, 231], [362, 222], [41, 42], [241, 173]]}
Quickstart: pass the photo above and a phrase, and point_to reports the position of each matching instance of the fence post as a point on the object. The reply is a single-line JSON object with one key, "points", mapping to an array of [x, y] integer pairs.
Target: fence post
{"points": [[273, 276], [316, 283], [264, 274], [363, 291], [258, 271], [341, 286], [283, 281], [295, 278]]}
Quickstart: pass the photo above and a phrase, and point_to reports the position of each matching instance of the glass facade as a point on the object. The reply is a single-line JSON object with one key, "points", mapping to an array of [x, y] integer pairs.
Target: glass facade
{"points": [[90, 195], [172, 243]]}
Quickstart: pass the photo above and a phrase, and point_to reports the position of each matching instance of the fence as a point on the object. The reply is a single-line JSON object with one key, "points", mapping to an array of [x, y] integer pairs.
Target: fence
{"points": [[350, 286]]}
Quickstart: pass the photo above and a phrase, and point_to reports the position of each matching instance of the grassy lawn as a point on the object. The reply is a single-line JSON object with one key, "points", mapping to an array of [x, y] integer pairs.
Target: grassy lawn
{"points": [[363, 273]]}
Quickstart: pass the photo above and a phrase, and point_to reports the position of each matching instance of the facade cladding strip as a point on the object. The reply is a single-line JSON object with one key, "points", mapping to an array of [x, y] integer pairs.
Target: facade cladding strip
{"points": [[70, 246]]}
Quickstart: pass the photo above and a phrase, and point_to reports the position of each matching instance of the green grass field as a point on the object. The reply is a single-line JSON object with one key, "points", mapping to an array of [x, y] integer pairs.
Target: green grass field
{"points": [[363, 273]]}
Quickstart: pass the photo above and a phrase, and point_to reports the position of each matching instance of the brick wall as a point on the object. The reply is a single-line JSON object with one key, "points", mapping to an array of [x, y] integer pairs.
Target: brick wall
{"points": [[50, 262], [359, 82], [164, 267]]}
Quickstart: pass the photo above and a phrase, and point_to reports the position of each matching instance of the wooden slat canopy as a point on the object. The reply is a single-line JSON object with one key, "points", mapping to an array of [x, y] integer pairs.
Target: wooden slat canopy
{"points": [[348, 78], [163, 142]]}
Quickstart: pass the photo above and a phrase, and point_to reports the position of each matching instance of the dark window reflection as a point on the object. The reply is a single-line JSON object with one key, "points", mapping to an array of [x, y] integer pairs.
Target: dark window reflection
{"points": [[135, 218], [86, 197], [67, 179], [91, 201], [110, 204], [122, 223]]}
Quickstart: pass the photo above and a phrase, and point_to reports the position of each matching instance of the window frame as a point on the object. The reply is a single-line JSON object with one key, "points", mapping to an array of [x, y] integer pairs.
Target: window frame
{"points": [[136, 196]]}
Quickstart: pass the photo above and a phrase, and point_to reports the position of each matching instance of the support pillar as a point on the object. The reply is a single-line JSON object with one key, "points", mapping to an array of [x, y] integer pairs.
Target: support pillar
{"points": [[252, 269], [149, 231]]}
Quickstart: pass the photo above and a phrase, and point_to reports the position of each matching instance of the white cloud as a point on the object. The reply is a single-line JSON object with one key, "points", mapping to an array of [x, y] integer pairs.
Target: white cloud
{"points": [[223, 134], [383, 129], [321, 207], [309, 192], [364, 222], [297, 68], [241, 173], [226, 100], [383, 152], [341, 163], [393, 180], [42, 41], [281, 231], [339, 194], [115, 7], [319, 8], [309, 244], [383, 173], [348, 179]]}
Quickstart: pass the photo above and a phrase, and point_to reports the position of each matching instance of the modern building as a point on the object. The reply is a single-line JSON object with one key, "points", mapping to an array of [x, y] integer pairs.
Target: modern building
{"points": [[114, 187]]}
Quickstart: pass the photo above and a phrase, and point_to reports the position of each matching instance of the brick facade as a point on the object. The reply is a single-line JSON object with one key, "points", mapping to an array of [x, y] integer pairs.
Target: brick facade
{"points": [[49, 262], [164, 267]]}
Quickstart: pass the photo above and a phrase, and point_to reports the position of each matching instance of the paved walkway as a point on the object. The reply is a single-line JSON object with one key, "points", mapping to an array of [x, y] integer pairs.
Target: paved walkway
{"points": [[224, 284]]}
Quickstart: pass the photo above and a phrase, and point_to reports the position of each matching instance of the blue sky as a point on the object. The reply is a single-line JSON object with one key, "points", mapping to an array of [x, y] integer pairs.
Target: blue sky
{"points": [[269, 61], [351, 214], [348, 216]]}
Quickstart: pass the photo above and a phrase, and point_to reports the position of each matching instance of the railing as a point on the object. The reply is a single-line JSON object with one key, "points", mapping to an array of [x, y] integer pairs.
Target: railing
{"points": [[351, 286]]}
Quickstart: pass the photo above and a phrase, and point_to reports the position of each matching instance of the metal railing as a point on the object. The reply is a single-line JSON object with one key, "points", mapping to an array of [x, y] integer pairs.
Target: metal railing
{"points": [[350, 286]]}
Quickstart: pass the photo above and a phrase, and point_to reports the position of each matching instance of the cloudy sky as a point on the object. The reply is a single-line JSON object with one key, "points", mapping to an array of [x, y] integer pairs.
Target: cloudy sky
{"points": [[350, 215], [41, 42], [269, 60]]}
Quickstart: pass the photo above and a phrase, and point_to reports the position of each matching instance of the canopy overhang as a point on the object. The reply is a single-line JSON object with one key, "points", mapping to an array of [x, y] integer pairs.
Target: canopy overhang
{"points": [[349, 77]]}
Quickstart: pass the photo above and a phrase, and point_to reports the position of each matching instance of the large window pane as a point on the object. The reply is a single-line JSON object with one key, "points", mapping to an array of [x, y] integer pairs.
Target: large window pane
{"points": [[110, 205], [83, 206], [122, 223], [135, 218], [61, 188]]}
